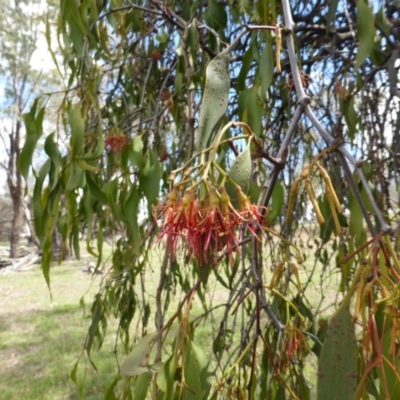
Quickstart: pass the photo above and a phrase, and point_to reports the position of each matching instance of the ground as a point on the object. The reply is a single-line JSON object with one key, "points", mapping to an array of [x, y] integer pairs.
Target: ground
{"points": [[42, 336]]}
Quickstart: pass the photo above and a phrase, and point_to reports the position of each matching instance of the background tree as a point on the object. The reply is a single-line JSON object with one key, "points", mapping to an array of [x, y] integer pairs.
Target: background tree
{"points": [[222, 110], [5, 220], [22, 81]]}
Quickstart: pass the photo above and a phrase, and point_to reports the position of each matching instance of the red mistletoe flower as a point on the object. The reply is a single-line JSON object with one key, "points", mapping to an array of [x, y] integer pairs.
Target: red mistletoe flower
{"points": [[116, 143], [213, 232], [178, 217], [207, 227]]}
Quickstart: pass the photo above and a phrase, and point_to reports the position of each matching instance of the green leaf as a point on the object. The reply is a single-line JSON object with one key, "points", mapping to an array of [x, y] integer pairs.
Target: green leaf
{"points": [[337, 368], [215, 15], [333, 4], [96, 192], [204, 271], [82, 164], [263, 12], [149, 178], [77, 131], [277, 203], [215, 99], [245, 66], [34, 130], [365, 32], [130, 210], [73, 373], [98, 152], [136, 152], [141, 386], [76, 177], [350, 115], [37, 202], [356, 218], [97, 311], [266, 67], [166, 377], [250, 110], [240, 172], [48, 40], [51, 149], [327, 227], [109, 394], [136, 362], [388, 377], [193, 39], [197, 378]]}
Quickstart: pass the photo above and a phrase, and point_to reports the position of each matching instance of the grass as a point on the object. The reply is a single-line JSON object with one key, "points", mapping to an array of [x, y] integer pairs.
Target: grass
{"points": [[42, 338]]}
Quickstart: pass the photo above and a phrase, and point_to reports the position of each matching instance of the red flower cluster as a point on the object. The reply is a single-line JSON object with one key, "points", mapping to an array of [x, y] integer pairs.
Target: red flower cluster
{"points": [[116, 143], [205, 227]]}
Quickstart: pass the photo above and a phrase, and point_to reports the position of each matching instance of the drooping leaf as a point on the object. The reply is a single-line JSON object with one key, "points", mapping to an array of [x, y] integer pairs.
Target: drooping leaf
{"points": [[240, 172], [331, 12], [166, 377], [215, 15], [215, 99], [51, 149], [350, 115], [365, 32], [277, 203], [96, 192], [34, 130], [250, 110], [327, 227], [76, 177], [149, 179], [197, 376], [97, 311], [245, 67], [356, 218], [130, 210], [136, 152], [388, 373], [266, 67], [135, 363], [98, 152], [77, 131], [37, 201], [141, 386]]}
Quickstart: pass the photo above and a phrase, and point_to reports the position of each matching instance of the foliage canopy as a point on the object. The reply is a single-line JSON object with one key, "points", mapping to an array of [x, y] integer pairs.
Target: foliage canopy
{"points": [[258, 142]]}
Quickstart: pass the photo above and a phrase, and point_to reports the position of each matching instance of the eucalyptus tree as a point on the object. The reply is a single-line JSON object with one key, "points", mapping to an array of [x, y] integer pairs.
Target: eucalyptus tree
{"points": [[261, 138], [22, 79]]}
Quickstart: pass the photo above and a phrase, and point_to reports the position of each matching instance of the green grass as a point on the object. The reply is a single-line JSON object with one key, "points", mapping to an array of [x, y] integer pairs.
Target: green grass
{"points": [[41, 339]]}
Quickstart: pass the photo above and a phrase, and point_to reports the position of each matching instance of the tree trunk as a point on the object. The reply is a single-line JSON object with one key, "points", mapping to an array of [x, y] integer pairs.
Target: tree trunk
{"points": [[14, 181]]}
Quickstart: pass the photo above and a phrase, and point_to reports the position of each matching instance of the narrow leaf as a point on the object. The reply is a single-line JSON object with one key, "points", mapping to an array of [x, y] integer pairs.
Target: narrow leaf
{"points": [[33, 125], [240, 172], [215, 99], [277, 202], [139, 356], [96, 192], [365, 32], [141, 386], [149, 179], [266, 68], [77, 130]]}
